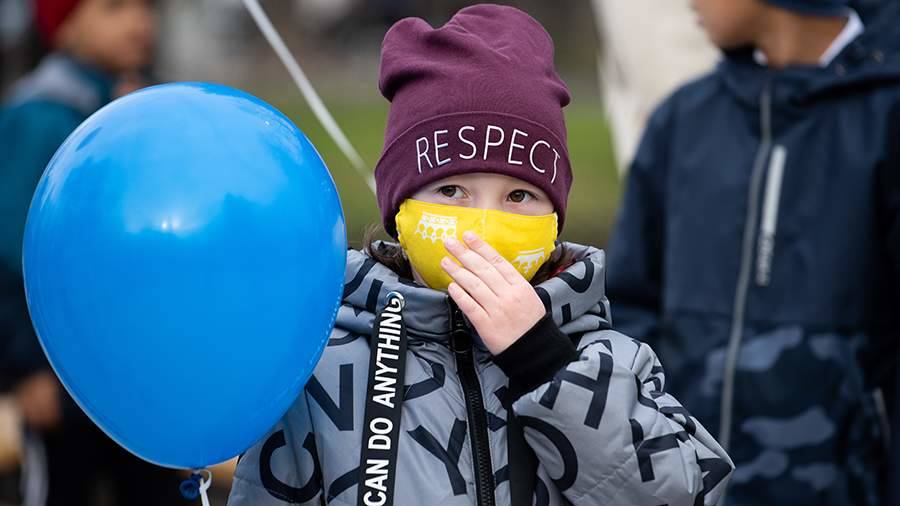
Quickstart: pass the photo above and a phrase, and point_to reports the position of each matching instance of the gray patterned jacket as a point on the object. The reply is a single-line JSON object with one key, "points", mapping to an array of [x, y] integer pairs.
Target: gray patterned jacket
{"points": [[602, 428]]}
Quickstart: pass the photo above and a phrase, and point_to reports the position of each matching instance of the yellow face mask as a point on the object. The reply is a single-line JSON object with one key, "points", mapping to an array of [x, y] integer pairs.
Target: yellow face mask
{"points": [[525, 241]]}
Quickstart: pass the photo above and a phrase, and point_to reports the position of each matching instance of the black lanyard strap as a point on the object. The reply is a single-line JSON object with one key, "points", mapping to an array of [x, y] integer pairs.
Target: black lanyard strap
{"points": [[384, 402]]}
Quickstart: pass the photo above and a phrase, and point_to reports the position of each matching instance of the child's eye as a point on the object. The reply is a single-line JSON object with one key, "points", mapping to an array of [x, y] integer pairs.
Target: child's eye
{"points": [[519, 196], [452, 191]]}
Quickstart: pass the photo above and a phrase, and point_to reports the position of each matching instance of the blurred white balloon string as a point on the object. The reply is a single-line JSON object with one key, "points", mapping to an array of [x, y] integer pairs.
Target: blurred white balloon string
{"points": [[309, 93], [204, 487]]}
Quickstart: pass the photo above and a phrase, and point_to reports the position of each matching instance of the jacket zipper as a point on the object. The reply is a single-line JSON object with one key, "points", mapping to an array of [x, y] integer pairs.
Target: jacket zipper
{"points": [[765, 246], [743, 283], [478, 428]]}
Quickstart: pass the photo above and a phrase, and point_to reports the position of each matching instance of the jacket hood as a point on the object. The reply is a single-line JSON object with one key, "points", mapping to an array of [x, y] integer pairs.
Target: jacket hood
{"points": [[62, 79], [576, 297], [871, 60]]}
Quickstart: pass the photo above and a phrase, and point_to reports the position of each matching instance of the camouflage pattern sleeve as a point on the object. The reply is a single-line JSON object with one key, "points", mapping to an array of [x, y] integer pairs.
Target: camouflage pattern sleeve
{"points": [[607, 432], [283, 468]]}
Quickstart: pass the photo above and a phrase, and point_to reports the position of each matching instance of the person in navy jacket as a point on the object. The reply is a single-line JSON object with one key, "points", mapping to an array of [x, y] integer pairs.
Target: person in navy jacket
{"points": [[757, 248]]}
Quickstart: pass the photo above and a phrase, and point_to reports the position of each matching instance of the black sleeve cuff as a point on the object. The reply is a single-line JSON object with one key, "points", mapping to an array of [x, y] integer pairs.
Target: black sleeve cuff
{"points": [[536, 357]]}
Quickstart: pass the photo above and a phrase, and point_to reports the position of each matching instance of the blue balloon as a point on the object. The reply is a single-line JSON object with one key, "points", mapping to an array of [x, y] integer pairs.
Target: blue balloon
{"points": [[184, 262]]}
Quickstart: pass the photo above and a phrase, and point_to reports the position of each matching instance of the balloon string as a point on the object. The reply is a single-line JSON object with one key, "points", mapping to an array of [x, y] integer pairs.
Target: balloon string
{"points": [[309, 93], [204, 486]]}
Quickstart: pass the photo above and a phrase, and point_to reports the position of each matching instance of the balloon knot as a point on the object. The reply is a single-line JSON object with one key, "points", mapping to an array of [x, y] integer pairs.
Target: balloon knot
{"points": [[190, 488]]}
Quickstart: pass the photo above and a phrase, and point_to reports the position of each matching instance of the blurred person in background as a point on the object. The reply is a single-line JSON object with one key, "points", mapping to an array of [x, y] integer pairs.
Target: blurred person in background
{"points": [[97, 49], [638, 71], [758, 245]]}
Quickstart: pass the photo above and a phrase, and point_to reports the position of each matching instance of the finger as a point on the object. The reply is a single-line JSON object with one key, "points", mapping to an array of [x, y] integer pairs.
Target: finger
{"points": [[486, 251], [472, 284], [477, 265], [467, 304]]}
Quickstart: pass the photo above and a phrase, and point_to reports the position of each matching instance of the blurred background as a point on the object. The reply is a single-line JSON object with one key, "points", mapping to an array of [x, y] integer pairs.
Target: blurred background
{"points": [[337, 43]]}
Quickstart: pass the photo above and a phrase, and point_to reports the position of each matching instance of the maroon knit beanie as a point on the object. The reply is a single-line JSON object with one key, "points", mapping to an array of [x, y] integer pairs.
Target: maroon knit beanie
{"points": [[479, 94], [49, 15]]}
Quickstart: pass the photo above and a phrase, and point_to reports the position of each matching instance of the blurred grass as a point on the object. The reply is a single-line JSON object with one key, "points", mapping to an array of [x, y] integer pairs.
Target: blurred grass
{"points": [[592, 202]]}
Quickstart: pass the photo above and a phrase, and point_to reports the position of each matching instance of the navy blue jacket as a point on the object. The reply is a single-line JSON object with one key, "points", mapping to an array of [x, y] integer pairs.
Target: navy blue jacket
{"points": [[43, 109], [758, 251]]}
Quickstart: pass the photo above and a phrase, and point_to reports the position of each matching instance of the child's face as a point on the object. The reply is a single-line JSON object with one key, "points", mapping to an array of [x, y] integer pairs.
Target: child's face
{"points": [[487, 191], [116, 35], [729, 23]]}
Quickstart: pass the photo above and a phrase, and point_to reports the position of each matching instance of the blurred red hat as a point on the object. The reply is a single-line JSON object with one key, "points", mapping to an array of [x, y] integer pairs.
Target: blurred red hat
{"points": [[49, 15]]}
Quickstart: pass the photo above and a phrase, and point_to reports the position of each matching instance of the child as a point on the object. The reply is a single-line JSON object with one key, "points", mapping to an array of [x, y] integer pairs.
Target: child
{"points": [[437, 367], [758, 244], [94, 43]]}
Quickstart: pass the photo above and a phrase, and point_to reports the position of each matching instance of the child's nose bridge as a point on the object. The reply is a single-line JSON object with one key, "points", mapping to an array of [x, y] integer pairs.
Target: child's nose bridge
{"points": [[487, 200], [489, 194]]}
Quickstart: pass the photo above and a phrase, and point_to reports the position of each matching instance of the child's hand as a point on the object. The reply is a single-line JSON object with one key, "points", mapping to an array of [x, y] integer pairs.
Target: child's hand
{"points": [[499, 302]]}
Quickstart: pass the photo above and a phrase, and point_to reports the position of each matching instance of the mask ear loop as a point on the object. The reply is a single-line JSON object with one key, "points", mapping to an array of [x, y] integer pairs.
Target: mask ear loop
{"points": [[197, 486]]}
